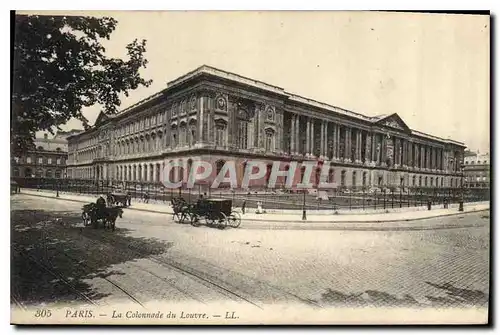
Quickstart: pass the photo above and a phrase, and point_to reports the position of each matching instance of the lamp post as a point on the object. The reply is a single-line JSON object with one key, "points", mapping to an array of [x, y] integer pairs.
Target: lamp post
{"points": [[461, 203], [304, 217]]}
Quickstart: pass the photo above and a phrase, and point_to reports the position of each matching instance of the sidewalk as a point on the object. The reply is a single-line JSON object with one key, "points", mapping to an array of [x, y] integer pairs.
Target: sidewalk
{"points": [[295, 217]]}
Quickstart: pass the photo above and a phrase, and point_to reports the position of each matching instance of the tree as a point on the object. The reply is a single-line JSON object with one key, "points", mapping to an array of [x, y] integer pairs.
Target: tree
{"points": [[60, 67]]}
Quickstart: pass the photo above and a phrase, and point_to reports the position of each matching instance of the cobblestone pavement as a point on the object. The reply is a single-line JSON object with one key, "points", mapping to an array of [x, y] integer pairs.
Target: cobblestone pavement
{"points": [[148, 257]]}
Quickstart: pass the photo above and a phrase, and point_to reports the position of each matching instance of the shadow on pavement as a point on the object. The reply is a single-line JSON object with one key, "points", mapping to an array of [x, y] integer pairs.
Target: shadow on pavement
{"points": [[53, 257], [454, 297]]}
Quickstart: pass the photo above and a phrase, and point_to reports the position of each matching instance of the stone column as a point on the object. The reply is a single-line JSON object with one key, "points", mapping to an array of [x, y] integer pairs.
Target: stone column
{"points": [[325, 139], [336, 145], [322, 140], [357, 153], [296, 136], [368, 146], [308, 137], [292, 134], [311, 134]]}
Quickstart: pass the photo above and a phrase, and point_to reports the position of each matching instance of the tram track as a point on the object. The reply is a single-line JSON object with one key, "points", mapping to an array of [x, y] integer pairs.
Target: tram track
{"points": [[56, 274], [207, 282], [228, 290]]}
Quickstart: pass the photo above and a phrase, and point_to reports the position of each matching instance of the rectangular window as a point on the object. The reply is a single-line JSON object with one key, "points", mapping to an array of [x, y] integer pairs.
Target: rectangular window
{"points": [[58, 161], [40, 160], [28, 160], [49, 160], [219, 135]]}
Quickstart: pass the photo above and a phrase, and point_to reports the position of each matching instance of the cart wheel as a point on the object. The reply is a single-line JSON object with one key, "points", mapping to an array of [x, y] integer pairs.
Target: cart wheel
{"points": [[234, 219], [195, 220], [222, 221]]}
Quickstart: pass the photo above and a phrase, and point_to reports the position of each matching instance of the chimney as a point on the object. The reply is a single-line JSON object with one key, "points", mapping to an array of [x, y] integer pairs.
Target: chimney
{"points": [[45, 136]]}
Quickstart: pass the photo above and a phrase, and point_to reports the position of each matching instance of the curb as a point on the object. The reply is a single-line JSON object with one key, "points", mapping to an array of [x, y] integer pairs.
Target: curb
{"points": [[281, 221]]}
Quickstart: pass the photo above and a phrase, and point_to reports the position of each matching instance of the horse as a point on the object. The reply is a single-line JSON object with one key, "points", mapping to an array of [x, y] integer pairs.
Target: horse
{"points": [[110, 216]]}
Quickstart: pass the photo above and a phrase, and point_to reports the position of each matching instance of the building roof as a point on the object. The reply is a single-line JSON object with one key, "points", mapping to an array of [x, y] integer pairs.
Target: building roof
{"points": [[209, 70]]}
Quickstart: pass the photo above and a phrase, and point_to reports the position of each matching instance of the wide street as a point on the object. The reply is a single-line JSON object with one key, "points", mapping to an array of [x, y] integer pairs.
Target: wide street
{"points": [[151, 258]]}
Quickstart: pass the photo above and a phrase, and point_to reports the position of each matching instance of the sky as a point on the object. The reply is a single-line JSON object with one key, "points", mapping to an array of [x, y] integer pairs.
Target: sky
{"points": [[431, 69]]}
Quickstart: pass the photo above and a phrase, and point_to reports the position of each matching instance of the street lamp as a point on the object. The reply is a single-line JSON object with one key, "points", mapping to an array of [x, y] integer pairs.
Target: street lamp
{"points": [[461, 203], [304, 206]]}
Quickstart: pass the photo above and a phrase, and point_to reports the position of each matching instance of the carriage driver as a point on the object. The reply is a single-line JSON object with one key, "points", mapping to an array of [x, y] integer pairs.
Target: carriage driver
{"points": [[100, 206]]}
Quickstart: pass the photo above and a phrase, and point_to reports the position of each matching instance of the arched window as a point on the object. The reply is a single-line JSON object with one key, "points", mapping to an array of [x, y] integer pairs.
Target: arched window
{"points": [[58, 149], [414, 181], [364, 179], [432, 181], [354, 178], [331, 175], [425, 183], [40, 148], [269, 140], [183, 135], [420, 181], [242, 130], [220, 133], [48, 173], [342, 178], [442, 181]]}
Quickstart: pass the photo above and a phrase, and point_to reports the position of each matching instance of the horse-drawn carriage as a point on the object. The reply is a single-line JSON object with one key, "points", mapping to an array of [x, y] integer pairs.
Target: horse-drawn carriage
{"points": [[92, 214], [215, 212], [118, 197]]}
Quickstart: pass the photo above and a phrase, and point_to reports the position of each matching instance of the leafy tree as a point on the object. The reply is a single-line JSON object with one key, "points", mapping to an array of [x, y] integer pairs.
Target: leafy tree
{"points": [[60, 67]]}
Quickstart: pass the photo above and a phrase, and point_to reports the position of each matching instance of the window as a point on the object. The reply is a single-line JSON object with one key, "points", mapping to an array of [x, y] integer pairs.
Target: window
{"points": [[269, 140], [192, 138], [331, 175], [420, 181], [242, 130], [414, 181], [342, 178], [48, 173], [28, 160], [183, 135], [354, 178], [432, 181], [40, 148], [174, 140], [16, 172], [425, 182], [40, 160], [58, 149], [220, 133], [49, 160]]}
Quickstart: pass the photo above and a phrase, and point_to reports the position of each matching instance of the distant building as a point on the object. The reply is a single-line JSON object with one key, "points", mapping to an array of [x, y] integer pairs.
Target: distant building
{"points": [[47, 158], [477, 170]]}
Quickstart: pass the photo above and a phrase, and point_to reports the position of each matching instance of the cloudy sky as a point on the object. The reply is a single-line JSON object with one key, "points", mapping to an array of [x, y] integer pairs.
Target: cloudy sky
{"points": [[431, 69]]}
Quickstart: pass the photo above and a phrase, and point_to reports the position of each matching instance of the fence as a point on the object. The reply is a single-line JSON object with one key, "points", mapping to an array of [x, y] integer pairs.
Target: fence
{"points": [[345, 198]]}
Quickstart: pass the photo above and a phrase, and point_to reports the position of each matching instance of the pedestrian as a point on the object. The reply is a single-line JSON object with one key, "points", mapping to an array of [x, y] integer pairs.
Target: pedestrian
{"points": [[243, 206], [146, 197]]}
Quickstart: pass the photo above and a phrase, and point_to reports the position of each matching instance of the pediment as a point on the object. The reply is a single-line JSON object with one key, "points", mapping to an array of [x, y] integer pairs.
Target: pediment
{"points": [[101, 118], [393, 121]]}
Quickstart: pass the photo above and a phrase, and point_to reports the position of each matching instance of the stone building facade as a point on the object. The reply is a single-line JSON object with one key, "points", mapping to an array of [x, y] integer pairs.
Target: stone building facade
{"points": [[218, 116], [46, 159], [477, 170]]}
